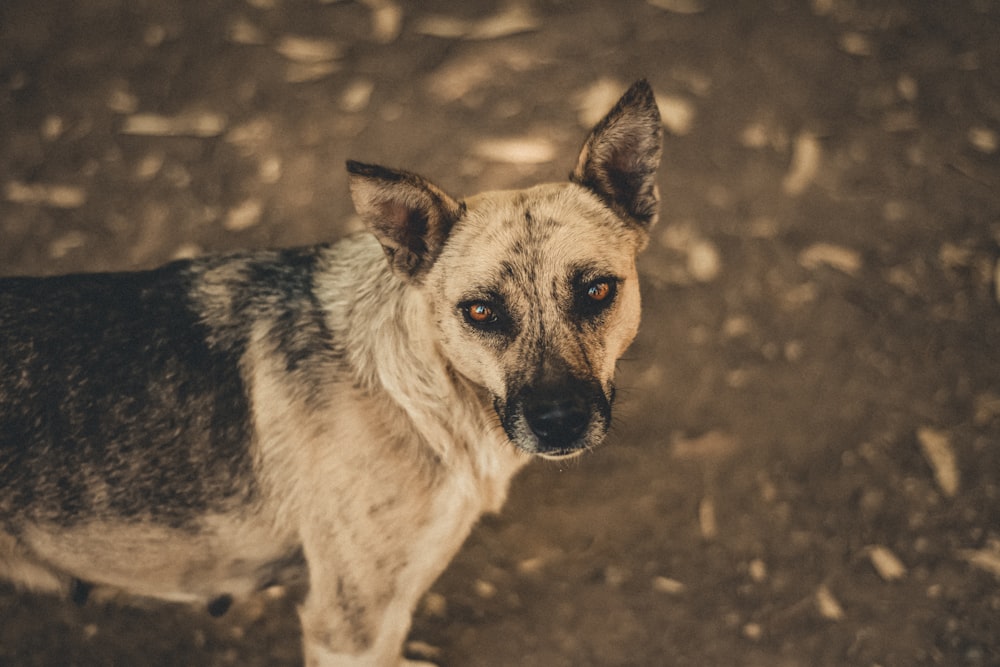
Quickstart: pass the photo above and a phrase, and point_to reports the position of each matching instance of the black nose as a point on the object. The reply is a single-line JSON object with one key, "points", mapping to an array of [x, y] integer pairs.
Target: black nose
{"points": [[557, 417]]}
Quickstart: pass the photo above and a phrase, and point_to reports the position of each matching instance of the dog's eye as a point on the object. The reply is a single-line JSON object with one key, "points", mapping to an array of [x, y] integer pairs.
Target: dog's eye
{"points": [[596, 296], [599, 291], [480, 313], [485, 316]]}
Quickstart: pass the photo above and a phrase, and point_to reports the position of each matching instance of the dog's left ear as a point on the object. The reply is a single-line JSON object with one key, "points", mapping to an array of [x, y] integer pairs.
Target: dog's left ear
{"points": [[410, 216], [619, 159]]}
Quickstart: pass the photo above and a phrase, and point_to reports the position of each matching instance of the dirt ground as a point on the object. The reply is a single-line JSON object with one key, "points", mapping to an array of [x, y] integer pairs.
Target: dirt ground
{"points": [[805, 468]]}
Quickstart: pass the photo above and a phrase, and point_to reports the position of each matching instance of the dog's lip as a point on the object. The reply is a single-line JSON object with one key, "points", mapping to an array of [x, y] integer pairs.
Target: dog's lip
{"points": [[562, 454]]}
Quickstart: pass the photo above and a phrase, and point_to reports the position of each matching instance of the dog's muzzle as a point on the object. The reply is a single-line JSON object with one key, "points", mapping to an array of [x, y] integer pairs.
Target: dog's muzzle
{"points": [[556, 420]]}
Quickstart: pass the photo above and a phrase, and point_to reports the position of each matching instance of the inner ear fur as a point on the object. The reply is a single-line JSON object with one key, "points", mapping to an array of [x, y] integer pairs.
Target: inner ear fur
{"points": [[410, 216], [620, 158]]}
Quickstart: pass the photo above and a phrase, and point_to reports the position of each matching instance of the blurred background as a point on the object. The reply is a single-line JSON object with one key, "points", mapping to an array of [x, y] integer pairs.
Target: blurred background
{"points": [[805, 468]]}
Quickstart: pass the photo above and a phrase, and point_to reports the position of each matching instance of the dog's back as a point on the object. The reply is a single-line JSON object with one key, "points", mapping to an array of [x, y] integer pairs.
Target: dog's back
{"points": [[75, 408], [126, 415]]}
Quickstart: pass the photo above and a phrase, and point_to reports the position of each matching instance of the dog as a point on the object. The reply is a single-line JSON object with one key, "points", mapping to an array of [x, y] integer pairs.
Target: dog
{"points": [[191, 432]]}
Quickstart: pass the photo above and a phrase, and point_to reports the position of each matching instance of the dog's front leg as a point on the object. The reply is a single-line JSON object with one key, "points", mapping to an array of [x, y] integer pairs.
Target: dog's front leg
{"points": [[354, 614]]}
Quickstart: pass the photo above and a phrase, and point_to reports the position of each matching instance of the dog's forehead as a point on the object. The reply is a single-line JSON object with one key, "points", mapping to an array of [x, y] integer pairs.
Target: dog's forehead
{"points": [[546, 228]]}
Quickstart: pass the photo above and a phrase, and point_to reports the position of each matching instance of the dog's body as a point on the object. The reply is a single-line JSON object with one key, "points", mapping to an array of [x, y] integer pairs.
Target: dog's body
{"points": [[189, 433]]}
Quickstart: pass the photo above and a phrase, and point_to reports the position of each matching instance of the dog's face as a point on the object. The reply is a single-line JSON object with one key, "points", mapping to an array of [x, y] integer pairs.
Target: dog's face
{"points": [[534, 292], [536, 297]]}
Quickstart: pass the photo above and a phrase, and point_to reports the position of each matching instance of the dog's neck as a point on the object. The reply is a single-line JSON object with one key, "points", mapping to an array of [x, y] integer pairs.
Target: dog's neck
{"points": [[395, 358]]}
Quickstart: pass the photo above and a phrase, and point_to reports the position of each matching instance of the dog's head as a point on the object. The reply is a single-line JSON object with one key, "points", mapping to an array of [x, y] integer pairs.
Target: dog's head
{"points": [[534, 292]]}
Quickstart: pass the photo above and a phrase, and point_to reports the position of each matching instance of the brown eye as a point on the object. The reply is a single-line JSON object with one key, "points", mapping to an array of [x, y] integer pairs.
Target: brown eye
{"points": [[486, 316], [599, 291], [480, 313], [594, 297]]}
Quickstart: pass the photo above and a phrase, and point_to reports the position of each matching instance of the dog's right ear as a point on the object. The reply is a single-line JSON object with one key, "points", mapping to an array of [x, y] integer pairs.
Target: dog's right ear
{"points": [[409, 216]]}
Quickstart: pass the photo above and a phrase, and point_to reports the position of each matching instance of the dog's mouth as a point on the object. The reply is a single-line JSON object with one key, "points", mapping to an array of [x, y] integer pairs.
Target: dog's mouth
{"points": [[556, 421], [561, 455]]}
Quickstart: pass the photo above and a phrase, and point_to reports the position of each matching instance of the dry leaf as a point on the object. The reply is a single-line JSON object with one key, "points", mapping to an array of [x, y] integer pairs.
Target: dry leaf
{"points": [[829, 254], [594, 101], [446, 27], [983, 139], [513, 20], [308, 50], [677, 113], [387, 20], [356, 96], [243, 216], [434, 604], [516, 150], [69, 241], [856, 44], [423, 650], [484, 589], [885, 562], [987, 560], [714, 445], [195, 124], [242, 31], [706, 518], [703, 261], [753, 631], [937, 449], [44, 194], [307, 72], [668, 586], [805, 164], [679, 6], [828, 606]]}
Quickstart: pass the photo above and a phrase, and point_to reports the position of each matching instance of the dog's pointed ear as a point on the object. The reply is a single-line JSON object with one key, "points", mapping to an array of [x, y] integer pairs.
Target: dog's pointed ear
{"points": [[619, 159], [410, 216]]}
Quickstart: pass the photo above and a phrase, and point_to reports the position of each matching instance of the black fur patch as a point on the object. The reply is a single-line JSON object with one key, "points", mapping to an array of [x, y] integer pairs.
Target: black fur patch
{"points": [[113, 404]]}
